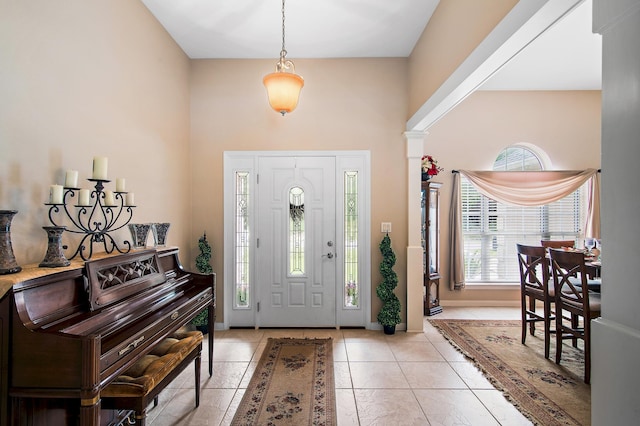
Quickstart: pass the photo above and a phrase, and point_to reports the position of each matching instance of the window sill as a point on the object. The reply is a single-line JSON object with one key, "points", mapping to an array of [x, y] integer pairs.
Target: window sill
{"points": [[492, 286]]}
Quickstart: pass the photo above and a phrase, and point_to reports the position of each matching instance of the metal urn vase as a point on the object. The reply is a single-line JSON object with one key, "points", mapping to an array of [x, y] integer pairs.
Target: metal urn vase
{"points": [[54, 258], [8, 263]]}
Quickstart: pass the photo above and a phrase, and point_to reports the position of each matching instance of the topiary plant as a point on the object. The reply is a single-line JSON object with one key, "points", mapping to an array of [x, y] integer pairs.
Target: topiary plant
{"points": [[202, 260], [389, 315], [204, 267]]}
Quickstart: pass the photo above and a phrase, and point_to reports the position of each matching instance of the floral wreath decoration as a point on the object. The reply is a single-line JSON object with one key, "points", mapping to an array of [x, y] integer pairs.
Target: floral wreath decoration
{"points": [[430, 165]]}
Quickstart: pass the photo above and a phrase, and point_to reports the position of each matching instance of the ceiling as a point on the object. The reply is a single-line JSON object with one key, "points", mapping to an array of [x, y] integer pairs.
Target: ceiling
{"points": [[313, 28], [567, 56]]}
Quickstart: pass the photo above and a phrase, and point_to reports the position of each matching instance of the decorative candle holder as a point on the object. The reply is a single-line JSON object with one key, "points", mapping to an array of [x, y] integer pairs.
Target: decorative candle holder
{"points": [[103, 215], [8, 263], [139, 234], [54, 257], [160, 231]]}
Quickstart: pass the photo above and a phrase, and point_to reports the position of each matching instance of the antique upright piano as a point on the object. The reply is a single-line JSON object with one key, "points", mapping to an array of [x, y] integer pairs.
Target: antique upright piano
{"points": [[65, 333]]}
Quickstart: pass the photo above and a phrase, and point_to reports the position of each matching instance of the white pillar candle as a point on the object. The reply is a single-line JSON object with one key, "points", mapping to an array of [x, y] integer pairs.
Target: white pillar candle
{"points": [[71, 179], [130, 199], [109, 200], [55, 194], [84, 197], [100, 168], [120, 185]]}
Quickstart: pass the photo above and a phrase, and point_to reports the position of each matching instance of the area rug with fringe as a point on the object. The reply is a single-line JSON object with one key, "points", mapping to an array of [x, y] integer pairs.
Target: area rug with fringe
{"points": [[546, 393], [293, 384]]}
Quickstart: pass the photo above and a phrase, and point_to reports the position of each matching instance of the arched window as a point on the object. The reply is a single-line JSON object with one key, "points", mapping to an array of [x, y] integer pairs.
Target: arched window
{"points": [[491, 229], [517, 158]]}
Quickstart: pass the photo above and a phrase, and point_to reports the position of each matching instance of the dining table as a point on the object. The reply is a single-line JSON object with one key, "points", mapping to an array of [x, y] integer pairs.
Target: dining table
{"points": [[593, 264], [594, 267]]}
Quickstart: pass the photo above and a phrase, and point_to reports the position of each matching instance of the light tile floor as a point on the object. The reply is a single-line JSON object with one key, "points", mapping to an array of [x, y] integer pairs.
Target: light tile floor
{"points": [[402, 379]]}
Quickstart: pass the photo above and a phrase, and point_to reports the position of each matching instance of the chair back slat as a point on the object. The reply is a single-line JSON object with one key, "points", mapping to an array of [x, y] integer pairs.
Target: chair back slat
{"points": [[570, 277], [534, 267]]}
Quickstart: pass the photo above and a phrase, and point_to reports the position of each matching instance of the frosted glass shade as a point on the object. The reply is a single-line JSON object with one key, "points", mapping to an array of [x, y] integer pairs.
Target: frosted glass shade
{"points": [[283, 89]]}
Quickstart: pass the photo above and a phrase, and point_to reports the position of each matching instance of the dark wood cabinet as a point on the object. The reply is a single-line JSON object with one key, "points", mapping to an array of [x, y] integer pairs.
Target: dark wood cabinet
{"points": [[431, 246]]}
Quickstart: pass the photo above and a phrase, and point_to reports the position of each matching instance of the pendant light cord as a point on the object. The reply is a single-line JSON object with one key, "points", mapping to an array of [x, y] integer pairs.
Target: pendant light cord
{"points": [[283, 53]]}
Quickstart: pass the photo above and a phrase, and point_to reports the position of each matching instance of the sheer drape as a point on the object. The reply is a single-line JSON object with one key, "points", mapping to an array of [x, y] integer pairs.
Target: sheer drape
{"points": [[592, 227], [456, 254], [521, 189]]}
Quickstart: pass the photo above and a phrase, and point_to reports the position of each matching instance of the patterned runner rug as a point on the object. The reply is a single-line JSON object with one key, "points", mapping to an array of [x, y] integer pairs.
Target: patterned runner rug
{"points": [[293, 384], [546, 393]]}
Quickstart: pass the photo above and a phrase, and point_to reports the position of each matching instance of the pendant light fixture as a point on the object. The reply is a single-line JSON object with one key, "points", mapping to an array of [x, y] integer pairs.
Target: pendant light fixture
{"points": [[284, 85]]}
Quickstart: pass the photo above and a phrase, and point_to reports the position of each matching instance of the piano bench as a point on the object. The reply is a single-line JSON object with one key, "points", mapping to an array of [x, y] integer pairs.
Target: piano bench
{"points": [[140, 384]]}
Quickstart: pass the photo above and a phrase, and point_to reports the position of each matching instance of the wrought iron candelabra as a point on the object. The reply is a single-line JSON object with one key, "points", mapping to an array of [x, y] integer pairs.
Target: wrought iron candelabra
{"points": [[96, 220]]}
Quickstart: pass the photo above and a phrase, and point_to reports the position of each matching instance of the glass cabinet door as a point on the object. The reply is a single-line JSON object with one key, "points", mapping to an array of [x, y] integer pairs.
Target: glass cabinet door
{"points": [[423, 227], [434, 230], [431, 246], [431, 228]]}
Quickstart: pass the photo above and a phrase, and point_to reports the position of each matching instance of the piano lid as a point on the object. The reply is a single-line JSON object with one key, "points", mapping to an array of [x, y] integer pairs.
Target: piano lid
{"points": [[116, 278]]}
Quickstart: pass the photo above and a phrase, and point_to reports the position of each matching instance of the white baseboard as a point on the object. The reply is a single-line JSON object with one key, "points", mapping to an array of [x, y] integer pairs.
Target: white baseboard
{"points": [[480, 303]]}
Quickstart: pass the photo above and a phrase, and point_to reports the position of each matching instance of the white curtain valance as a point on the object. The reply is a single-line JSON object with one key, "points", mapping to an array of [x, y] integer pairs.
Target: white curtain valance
{"points": [[528, 188]]}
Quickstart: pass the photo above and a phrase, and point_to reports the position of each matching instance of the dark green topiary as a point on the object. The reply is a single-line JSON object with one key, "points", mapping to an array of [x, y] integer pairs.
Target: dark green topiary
{"points": [[389, 314], [204, 267], [202, 260]]}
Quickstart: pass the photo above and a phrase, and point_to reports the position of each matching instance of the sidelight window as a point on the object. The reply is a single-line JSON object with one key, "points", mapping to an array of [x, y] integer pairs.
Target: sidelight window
{"points": [[242, 238], [351, 287]]}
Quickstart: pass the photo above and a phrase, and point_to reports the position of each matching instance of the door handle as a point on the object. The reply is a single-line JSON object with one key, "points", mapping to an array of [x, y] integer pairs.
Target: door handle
{"points": [[329, 255]]}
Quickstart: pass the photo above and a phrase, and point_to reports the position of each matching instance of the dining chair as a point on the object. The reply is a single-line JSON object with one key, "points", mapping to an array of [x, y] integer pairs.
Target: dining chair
{"points": [[534, 285], [573, 296], [557, 243]]}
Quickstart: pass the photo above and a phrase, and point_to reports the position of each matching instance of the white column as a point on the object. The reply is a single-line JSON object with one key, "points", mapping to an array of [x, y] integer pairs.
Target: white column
{"points": [[415, 313], [615, 337]]}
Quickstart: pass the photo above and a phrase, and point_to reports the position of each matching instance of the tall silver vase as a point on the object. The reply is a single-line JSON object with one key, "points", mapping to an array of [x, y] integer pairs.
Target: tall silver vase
{"points": [[139, 234], [160, 233], [8, 263]]}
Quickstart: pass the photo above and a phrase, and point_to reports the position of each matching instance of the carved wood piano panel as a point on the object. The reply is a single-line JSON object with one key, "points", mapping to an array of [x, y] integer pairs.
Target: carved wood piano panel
{"points": [[65, 335]]}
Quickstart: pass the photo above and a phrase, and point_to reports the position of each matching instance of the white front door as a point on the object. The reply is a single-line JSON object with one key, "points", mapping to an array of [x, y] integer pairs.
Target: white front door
{"points": [[296, 262]]}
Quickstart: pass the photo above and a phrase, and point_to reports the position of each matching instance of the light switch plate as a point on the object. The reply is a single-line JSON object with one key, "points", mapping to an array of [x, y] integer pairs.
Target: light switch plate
{"points": [[385, 227]]}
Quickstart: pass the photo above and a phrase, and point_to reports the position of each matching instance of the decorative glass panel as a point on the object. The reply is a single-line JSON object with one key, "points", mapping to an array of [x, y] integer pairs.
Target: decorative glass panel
{"points": [[351, 288], [242, 241], [296, 231]]}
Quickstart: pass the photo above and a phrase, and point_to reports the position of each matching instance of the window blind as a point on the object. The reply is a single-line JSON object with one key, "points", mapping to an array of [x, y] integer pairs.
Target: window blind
{"points": [[492, 230]]}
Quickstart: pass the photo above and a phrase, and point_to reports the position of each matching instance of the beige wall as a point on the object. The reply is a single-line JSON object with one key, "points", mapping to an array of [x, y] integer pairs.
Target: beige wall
{"points": [[84, 78], [454, 31], [103, 78], [564, 124], [352, 104]]}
